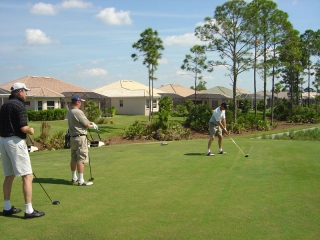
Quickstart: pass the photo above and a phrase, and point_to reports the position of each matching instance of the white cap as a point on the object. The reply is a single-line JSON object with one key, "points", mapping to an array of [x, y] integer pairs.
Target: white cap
{"points": [[19, 86]]}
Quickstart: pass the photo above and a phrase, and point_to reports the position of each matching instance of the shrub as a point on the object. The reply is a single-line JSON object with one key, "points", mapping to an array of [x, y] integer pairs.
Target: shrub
{"points": [[60, 113], [111, 111], [180, 111], [92, 110], [46, 115], [101, 121], [148, 131], [199, 120], [245, 105]]}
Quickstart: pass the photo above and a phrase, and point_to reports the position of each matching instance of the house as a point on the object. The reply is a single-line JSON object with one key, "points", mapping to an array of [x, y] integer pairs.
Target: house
{"points": [[4, 94], [177, 93], [212, 100], [51, 93], [240, 94], [130, 97]]}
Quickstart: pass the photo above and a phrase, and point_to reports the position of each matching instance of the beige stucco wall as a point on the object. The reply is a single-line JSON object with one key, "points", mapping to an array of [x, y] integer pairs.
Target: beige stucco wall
{"points": [[132, 106]]}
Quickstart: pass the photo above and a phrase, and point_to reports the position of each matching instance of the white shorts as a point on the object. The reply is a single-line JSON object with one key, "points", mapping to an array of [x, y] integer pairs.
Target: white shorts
{"points": [[15, 157]]}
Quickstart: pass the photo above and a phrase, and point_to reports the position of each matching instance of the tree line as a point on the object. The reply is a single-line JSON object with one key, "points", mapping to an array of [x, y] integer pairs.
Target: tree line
{"points": [[246, 35]]}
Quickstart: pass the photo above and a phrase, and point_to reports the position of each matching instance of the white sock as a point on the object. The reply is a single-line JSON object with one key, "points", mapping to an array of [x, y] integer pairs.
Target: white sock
{"points": [[74, 175], [29, 208], [208, 151], [7, 205], [81, 180], [220, 149]]}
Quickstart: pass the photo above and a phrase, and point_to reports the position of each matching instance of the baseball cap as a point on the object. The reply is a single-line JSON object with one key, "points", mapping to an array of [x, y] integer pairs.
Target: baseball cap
{"points": [[77, 98], [19, 86], [225, 105]]}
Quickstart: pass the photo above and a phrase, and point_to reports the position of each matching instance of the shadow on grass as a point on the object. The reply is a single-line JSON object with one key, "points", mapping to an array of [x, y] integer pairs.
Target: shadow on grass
{"points": [[52, 181], [14, 215], [195, 154]]}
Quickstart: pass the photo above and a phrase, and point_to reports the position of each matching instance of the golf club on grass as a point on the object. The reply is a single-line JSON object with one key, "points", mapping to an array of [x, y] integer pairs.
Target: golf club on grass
{"points": [[91, 178], [246, 155], [53, 202]]}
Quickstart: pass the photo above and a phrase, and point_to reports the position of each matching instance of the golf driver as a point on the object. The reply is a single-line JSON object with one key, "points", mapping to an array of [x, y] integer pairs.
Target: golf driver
{"points": [[53, 202], [246, 155]]}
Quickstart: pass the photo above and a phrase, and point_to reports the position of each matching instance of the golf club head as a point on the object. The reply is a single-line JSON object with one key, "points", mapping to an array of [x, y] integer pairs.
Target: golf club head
{"points": [[91, 179], [55, 202], [247, 155]]}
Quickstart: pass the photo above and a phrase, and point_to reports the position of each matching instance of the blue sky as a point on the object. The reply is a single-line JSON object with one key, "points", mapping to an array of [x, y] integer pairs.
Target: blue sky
{"points": [[89, 42]]}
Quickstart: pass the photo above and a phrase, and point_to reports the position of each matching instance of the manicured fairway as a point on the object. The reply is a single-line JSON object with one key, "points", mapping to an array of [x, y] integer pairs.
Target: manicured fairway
{"points": [[149, 191]]}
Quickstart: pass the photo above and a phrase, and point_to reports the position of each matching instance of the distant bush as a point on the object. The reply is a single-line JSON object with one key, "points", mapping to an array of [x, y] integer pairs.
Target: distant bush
{"points": [[141, 130], [179, 111], [46, 115]]}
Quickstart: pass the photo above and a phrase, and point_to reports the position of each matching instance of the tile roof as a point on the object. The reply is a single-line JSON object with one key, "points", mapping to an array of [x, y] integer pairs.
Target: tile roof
{"points": [[220, 90], [4, 92], [45, 86], [177, 89], [126, 88]]}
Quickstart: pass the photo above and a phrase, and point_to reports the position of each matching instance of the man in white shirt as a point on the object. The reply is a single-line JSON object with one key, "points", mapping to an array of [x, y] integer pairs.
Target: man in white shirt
{"points": [[217, 125]]}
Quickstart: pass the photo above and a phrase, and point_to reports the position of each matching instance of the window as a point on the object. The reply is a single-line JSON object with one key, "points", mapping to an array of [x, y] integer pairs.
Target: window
{"points": [[154, 105], [121, 103], [27, 103], [39, 105], [50, 104]]}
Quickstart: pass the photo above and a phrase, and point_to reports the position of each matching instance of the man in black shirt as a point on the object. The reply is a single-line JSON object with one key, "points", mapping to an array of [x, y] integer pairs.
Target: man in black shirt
{"points": [[14, 153]]}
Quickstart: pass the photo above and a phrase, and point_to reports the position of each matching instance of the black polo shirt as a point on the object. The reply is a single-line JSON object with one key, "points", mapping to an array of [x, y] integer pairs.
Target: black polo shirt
{"points": [[13, 116]]}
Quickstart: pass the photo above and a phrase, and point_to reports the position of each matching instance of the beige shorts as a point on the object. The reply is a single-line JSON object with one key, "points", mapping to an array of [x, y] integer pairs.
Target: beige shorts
{"points": [[79, 149], [15, 157], [215, 130]]}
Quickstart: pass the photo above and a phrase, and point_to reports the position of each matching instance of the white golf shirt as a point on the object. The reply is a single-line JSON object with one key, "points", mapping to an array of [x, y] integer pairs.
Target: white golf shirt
{"points": [[217, 115]]}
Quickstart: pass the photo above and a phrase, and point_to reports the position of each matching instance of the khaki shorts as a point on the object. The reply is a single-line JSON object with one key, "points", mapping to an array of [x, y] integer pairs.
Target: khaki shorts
{"points": [[79, 149], [215, 130], [15, 157]]}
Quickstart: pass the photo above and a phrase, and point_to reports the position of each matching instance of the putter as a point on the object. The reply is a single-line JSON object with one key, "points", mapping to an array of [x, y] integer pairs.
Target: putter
{"points": [[91, 178], [53, 202], [246, 155]]}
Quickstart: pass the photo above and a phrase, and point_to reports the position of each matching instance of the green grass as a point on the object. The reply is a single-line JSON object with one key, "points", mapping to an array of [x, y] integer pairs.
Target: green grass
{"points": [[149, 191]]}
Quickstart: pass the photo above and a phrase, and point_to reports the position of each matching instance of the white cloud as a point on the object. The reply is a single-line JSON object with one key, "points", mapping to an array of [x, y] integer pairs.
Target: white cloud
{"points": [[37, 37], [188, 39], [294, 2], [181, 73], [43, 9], [110, 17], [75, 4], [95, 72], [163, 61]]}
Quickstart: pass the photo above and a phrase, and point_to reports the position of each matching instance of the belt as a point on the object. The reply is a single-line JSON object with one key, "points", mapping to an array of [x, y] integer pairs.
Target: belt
{"points": [[79, 135], [214, 124]]}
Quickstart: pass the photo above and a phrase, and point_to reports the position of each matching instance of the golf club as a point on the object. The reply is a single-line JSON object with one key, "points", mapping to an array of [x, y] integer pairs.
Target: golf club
{"points": [[246, 155], [91, 178], [53, 202]]}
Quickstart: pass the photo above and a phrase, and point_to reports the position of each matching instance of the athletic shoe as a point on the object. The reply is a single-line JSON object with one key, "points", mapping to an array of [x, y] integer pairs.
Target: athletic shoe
{"points": [[85, 184], [210, 154], [34, 214], [13, 210], [74, 180], [222, 152]]}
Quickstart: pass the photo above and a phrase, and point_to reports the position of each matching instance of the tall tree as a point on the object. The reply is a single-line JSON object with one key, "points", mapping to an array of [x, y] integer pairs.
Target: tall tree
{"points": [[149, 45], [195, 63], [290, 56], [269, 26], [310, 46], [227, 33]]}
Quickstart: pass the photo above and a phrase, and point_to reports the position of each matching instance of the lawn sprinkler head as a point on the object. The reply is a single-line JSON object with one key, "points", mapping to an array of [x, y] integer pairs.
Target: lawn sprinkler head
{"points": [[55, 202], [247, 155]]}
